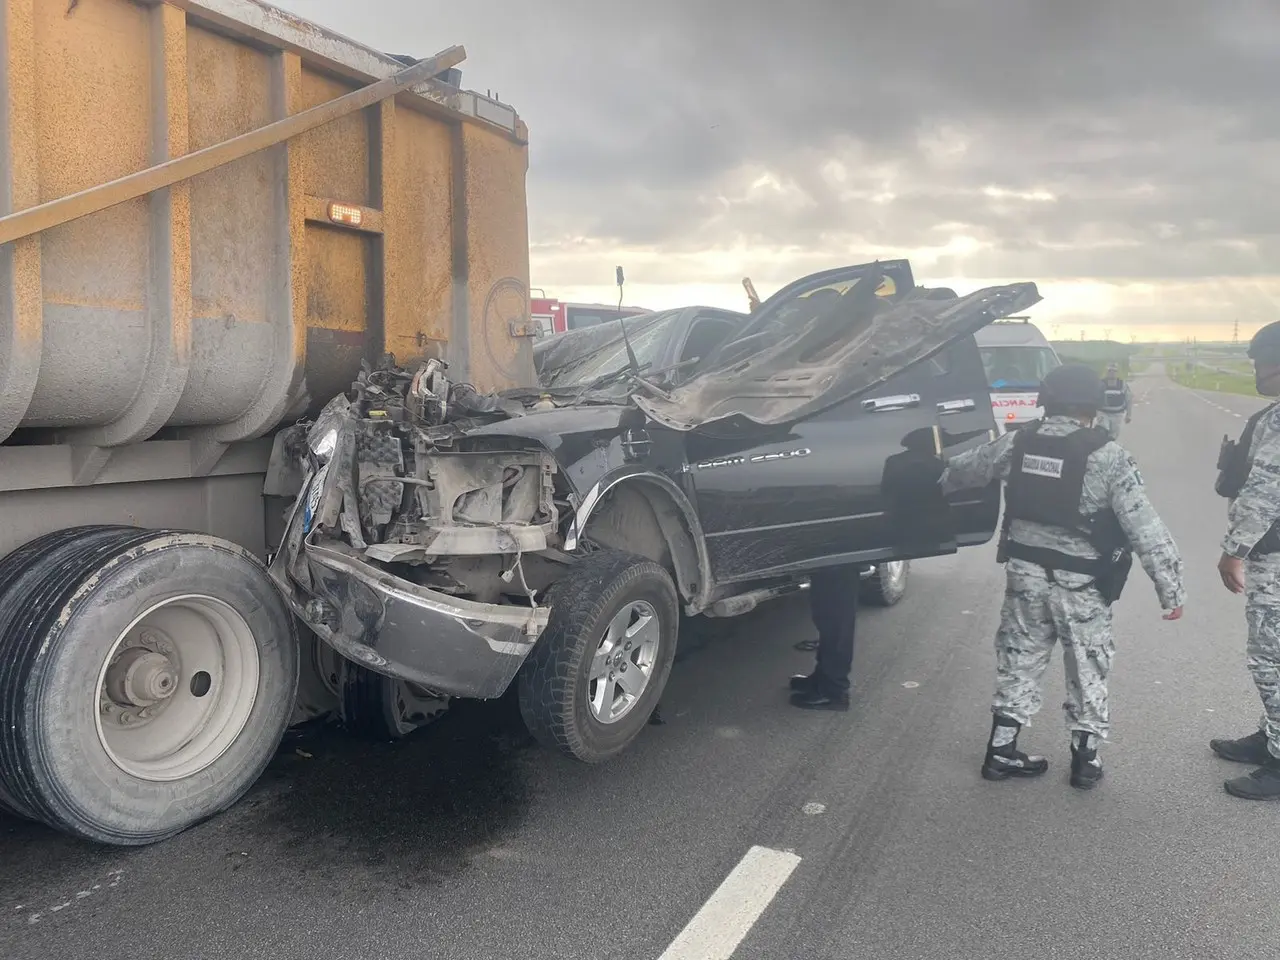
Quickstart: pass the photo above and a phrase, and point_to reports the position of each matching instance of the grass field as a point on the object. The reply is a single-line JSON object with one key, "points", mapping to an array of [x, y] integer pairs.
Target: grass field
{"points": [[1203, 379]]}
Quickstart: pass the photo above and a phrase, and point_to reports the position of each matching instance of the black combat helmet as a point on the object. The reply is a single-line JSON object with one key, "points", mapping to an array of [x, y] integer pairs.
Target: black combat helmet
{"points": [[1072, 386], [1265, 345]]}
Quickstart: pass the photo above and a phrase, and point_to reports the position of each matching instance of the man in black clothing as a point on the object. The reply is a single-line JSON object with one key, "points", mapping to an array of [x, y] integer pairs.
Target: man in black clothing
{"points": [[833, 605]]}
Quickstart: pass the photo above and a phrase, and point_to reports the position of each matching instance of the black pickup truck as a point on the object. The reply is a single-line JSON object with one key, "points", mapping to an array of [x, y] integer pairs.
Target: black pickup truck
{"points": [[554, 537]]}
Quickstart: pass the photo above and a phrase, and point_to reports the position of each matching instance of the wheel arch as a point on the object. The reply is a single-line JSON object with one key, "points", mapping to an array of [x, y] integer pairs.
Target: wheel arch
{"points": [[613, 511]]}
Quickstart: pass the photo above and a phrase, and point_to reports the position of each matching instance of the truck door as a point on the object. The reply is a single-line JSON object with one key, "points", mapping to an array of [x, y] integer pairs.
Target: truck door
{"points": [[856, 482]]}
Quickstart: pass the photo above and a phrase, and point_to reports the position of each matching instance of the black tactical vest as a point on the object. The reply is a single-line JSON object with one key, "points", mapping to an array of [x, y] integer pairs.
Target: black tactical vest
{"points": [[1234, 465], [1113, 397], [1045, 482]]}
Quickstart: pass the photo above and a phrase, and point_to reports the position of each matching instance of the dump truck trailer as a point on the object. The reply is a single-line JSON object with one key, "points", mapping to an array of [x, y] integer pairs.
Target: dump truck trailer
{"points": [[213, 216]]}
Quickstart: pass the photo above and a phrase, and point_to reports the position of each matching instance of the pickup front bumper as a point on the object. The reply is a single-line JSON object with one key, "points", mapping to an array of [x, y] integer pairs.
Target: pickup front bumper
{"points": [[397, 628]]}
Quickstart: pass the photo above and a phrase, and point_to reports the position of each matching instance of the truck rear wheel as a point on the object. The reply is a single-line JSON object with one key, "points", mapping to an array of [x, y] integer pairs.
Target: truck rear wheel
{"points": [[599, 669], [146, 678], [887, 585]]}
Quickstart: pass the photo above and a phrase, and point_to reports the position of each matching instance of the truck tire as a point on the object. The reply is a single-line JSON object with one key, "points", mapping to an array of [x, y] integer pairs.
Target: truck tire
{"points": [[146, 679], [887, 585], [613, 617], [10, 568], [381, 708]]}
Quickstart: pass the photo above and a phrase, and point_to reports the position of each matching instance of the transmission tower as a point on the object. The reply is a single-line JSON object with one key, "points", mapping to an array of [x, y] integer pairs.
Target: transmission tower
{"points": [[1106, 334], [1235, 332]]}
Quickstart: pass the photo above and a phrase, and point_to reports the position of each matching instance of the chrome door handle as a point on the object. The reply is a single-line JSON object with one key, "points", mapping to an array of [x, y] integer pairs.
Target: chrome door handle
{"points": [[881, 404], [956, 406]]}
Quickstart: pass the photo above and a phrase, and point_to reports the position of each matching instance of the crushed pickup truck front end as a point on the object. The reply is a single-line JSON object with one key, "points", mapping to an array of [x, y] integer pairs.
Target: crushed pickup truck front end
{"points": [[404, 550]]}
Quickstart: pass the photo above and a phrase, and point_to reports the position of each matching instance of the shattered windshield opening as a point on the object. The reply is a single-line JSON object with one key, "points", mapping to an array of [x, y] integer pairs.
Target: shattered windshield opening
{"points": [[604, 353], [1015, 367]]}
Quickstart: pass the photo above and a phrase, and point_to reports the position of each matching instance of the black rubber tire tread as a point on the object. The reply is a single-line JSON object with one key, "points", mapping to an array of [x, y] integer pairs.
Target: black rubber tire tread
{"points": [[876, 592], [582, 603], [84, 566], [10, 568], [364, 703]]}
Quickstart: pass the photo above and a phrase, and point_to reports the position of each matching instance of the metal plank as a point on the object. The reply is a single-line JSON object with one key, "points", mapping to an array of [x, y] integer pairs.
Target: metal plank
{"points": [[322, 47], [169, 298], [57, 212], [21, 310], [285, 384]]}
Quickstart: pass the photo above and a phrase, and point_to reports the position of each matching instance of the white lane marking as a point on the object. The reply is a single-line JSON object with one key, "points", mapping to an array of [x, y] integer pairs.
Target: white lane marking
{"points": [[1217, 406], [724, 921]]}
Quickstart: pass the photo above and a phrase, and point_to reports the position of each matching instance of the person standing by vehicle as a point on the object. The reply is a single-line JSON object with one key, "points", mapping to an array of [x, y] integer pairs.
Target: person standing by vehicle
{"points": [[1249, 475], [833, 606], [1075, 508], [1117, 402]]}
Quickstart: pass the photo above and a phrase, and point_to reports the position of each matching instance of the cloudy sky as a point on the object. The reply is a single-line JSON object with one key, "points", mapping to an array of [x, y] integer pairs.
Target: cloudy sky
{"points": [[1125, 155]]}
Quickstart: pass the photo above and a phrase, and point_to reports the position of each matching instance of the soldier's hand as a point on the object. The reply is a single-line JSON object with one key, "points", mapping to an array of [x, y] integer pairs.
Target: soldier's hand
{"points": [[1231, 569], [1174, 614]]}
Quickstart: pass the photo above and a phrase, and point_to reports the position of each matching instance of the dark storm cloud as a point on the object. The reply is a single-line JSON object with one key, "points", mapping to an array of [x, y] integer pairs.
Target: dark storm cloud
{"points": [[1151, 126]]}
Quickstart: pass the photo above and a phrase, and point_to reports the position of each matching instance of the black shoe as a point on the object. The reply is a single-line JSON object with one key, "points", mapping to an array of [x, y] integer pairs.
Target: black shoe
{"points": [[804, 682], [1251, 749], [1086, 768], [1262, 784], [817, 698], [1007, 760]]}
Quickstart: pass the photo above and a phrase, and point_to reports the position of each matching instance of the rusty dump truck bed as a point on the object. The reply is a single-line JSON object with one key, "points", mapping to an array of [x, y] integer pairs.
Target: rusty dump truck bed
{"points": [[242, 296], [212, 215]]}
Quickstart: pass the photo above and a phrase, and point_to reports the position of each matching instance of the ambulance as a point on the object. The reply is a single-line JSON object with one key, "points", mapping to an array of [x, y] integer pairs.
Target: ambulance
{"points": [[1016, 357]]}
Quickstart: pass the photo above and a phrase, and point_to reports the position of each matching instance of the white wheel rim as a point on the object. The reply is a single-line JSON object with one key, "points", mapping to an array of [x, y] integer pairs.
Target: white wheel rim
{"points": [[623, 663], [176, 688]]}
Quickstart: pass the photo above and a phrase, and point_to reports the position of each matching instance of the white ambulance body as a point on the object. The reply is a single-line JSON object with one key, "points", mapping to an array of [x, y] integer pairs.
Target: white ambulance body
{"points": [[1016, 356]]}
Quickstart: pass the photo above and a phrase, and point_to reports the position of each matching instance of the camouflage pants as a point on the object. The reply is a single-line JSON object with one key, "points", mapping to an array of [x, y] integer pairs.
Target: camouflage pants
{"points": [[1111, 422], [1036, 615], [1262, 612]]}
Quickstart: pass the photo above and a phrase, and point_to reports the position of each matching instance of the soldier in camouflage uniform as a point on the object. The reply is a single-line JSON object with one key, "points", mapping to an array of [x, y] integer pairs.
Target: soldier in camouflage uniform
{"points": [[1074, 507], [1117, 403], [1250, 564]]}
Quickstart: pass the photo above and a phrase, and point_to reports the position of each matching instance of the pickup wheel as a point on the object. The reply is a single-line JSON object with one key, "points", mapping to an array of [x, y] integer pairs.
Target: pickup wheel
{"points": [[146, 678], [887, 585], [599, 669]]}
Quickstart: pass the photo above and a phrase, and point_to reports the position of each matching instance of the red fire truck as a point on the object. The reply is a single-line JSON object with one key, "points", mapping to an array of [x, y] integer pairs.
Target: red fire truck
{"points": [[555, 316]]}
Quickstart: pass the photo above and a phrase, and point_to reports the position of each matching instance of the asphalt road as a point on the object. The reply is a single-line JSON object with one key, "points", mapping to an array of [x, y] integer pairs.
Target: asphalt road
{"points": [[467, 842]]}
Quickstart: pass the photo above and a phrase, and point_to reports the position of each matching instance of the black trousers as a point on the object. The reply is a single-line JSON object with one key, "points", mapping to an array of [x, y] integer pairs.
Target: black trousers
{"points": [[833, 604]]}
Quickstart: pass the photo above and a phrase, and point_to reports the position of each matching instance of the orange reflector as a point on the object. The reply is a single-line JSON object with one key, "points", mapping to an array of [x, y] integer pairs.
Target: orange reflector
{"points": [[1010, 416], [345, 213]]}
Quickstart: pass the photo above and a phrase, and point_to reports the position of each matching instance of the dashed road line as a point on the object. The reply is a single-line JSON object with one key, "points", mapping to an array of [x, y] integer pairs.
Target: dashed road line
{"points": [[724, 920], [1217, 406]]}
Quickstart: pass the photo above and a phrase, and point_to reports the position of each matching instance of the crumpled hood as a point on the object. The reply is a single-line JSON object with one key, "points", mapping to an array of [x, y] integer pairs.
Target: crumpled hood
{"points": [[785, 365]]}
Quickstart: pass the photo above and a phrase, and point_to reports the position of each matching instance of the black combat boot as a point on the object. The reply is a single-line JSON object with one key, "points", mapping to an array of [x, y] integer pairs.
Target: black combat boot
{"points": [[1007, 761], [1251, 749], [1262, 784], [1086, 768]]}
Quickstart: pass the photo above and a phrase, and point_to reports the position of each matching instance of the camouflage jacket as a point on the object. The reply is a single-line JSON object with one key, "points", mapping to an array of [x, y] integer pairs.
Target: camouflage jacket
{"points": [[1251, 514], [1111, 480]]}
